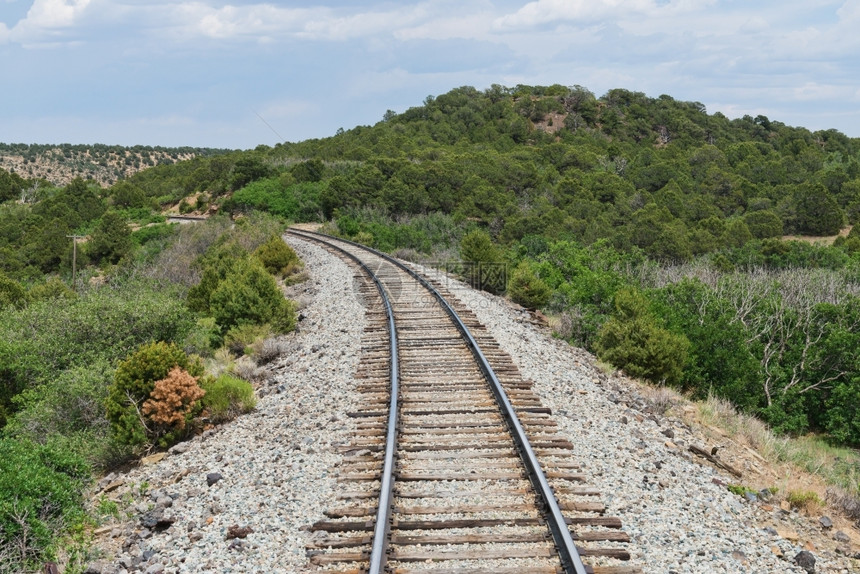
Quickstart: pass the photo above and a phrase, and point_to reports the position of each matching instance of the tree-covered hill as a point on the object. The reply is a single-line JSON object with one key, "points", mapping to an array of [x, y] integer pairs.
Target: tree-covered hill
{"points": [[656, 174]]}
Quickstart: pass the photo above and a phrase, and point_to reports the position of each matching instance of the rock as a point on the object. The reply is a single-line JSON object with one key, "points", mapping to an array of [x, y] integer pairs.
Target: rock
{"points": [[164, 502], [180, 448], [739, 556], [113, 485], [668, 433], [840, 536], [213, 477], [155, 569], [750, 496], [153, 458], [97, 568], [237, 531], [825, 522], [784, 505], [788, 534], [156, 520], [805, 560], [195, 536]]}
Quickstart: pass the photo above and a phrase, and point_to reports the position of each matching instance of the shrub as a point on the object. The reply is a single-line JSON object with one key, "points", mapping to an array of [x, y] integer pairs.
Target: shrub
{"points": [[803, 499], [171, 405], [277, 257], [135, 380], [111, 239], [239, 338], [40, 495], [227, 397], [70, 402], [248, 294], [484, 265], [12, 293], [633, 341], [203, 337], [54, 288], [526, 288]]}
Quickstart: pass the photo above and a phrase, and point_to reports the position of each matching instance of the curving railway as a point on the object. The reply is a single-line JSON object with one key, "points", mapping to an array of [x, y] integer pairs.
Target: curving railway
{"points": [[455, 466]]}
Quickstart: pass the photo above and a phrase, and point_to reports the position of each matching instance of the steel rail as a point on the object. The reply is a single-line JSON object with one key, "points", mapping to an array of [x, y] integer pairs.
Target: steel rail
{"points": [[570, 557], [381, 529]]}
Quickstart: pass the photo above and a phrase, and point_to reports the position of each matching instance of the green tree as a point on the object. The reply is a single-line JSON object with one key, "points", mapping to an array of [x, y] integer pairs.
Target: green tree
{"points": [[276, 256], [633, 340], [526, 288], [763, 224], [249, 294], [12, 293], [484, 265], [11, 185], [817, 211], [111, 239]]}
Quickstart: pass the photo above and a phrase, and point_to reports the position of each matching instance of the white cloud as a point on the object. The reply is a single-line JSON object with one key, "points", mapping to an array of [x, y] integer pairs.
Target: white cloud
{"points": [[813, 91], [542, 12], [48, 19], [4, 33]]}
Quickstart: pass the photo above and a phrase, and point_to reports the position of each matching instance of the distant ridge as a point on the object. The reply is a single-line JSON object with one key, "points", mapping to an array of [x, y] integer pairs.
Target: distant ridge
{"points": [[61, 163]]}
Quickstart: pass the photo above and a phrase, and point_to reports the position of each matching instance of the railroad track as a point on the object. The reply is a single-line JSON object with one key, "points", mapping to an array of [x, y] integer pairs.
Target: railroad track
{"points": [[455, 466]]}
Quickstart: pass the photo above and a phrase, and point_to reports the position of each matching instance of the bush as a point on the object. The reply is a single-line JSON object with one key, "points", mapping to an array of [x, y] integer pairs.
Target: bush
{"points": [[248, 294], [277, 257], [12, 293], [111, 239], [40, 496], [203, 338], [484, 265], [133, 384], [633, 341], [239, 338], [227, 397], [526, 288], [803, 499], [71, 402], [171, 405], [51, 289]]}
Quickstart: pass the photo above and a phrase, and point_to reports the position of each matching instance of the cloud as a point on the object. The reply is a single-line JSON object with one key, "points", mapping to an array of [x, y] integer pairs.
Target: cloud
{"points": [[47, 20], [542, 12]]}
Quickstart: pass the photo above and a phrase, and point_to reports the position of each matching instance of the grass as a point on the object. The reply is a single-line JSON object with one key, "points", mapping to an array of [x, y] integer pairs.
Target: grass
{"points": [[838, 468]]}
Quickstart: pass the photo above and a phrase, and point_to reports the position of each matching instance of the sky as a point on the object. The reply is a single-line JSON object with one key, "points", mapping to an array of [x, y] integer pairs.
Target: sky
{"points": [[209, 73]]}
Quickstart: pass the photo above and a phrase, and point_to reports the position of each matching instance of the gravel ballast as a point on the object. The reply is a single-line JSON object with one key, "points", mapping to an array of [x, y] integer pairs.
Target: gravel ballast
{"points": [[239, 498]]}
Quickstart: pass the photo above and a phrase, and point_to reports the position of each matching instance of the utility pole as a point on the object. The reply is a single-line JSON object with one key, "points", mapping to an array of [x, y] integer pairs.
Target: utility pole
{"points": [[74, 239]]}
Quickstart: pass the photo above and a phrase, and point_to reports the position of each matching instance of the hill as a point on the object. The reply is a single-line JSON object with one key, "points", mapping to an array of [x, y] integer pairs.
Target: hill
{"points": [[103, 164]]}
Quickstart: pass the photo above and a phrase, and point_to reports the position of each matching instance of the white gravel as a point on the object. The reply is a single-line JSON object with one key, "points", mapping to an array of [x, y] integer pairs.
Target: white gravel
{"points": [[680, 520], [278, 463]]}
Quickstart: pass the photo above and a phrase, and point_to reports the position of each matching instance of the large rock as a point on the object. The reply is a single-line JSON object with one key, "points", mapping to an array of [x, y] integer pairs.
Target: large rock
{"points": [[806, 560]]}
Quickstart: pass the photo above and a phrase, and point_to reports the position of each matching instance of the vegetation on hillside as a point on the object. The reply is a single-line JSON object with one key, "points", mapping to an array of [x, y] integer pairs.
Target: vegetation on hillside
{"points": [[104, 164], [91, 377], [653, 232]]}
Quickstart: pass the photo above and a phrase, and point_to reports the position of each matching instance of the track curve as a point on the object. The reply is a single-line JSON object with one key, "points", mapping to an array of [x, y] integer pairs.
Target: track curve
{"points": [[444, 446]]}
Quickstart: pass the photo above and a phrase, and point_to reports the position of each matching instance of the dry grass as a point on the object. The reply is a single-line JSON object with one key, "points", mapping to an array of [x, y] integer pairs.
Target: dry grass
{"points": [[661, 399], [812, 471]]}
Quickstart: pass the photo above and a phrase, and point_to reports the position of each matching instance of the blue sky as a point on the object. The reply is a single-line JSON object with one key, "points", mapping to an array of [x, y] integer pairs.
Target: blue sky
{"points": [[242, 73]]}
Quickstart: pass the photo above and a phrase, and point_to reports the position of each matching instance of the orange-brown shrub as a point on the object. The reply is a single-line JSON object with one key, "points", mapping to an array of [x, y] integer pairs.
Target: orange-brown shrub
{"points": [[172, 399]]}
